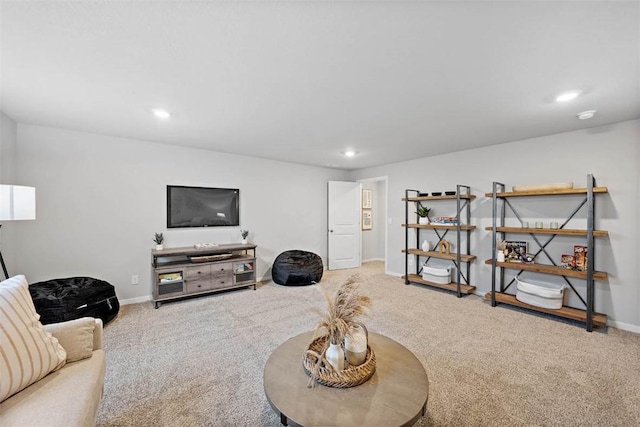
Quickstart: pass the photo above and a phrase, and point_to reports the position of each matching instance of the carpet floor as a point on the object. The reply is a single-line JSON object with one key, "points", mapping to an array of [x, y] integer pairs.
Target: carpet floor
{"points": [[199, 362]]}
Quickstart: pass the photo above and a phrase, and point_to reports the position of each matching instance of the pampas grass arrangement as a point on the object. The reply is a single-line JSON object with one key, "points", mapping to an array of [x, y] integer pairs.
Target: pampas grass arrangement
{"points": [[343, 310]]}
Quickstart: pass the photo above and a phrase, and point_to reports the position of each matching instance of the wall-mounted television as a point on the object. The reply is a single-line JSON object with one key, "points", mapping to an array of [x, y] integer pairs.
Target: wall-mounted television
{"points": [[202, 207]]}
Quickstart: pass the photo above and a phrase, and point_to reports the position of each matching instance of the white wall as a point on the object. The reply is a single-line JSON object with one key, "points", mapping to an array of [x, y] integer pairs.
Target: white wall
{"points": [[611, 153], [8, 138], [100, 199]]}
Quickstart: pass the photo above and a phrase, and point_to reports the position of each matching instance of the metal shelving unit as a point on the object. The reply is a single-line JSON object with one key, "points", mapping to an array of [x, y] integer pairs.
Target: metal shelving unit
{"points": [[462, 258], [500, 203]]}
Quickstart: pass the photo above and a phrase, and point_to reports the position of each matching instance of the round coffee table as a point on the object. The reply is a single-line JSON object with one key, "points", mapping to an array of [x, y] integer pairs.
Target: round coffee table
{"points": [[396, 394]]}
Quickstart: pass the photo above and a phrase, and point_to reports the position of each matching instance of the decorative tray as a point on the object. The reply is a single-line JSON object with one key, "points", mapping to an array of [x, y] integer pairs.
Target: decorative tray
{"points": [[350, 376], [209, 258]]}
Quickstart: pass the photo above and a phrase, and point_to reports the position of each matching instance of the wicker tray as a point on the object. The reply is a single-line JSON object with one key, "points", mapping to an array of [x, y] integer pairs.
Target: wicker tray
{"points": [[351, 376]]}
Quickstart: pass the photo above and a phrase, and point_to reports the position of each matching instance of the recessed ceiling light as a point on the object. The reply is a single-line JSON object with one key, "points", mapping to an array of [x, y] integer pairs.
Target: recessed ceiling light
{"points": [[161, 114], [567, 96], [349, 153], [586, 114]]}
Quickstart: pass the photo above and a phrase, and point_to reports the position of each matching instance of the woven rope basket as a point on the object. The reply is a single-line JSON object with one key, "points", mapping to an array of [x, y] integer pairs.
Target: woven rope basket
{"points": [[351, 376]]}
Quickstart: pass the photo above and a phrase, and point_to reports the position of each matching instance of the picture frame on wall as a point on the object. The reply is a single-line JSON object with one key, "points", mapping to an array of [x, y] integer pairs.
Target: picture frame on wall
{"points": [[367, 219], [367, 199]]}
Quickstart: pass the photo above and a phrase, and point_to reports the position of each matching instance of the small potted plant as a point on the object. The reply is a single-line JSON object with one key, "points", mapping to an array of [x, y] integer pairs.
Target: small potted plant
{"points": [[423, 214], [159, 240], [244, 234]]}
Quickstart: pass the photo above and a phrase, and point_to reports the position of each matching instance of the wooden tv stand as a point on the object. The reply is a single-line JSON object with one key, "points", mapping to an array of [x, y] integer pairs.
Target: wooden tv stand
{"points": [[187, 271]]}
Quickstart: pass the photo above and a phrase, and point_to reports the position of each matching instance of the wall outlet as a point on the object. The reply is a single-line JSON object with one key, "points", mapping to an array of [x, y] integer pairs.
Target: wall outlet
{"points": [[135, 279], [410, 260]]}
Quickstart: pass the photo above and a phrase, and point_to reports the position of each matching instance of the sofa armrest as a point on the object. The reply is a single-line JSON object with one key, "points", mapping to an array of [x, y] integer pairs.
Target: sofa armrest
{"points": [[78, 337]]}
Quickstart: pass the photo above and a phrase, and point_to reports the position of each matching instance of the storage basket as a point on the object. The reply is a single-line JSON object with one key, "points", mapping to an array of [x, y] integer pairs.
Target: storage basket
{"points": [[436, 275], [545, 295], [350, 376]]}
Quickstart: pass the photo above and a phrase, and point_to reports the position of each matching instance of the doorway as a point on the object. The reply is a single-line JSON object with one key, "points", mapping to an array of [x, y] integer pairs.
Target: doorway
{"points": [[374, 239]]}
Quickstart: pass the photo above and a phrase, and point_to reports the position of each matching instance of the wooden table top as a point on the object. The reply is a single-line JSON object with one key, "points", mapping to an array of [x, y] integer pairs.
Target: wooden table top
{"points": [[395, 395]]}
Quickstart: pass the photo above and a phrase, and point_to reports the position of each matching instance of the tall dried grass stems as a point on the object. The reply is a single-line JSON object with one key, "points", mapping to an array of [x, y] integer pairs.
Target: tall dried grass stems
{"points": [[343, 310]]}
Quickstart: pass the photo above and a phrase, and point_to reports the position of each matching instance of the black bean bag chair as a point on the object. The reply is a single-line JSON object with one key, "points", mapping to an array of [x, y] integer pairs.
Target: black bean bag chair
{"points": [[59, 300], [297, 268]]}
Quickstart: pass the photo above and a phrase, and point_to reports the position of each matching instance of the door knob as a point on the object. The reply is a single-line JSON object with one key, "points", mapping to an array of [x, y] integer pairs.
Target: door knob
{"points": [[330, 231]]}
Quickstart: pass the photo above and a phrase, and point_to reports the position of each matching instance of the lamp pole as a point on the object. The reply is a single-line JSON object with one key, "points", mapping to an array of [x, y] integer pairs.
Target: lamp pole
{"points": [[4, 267]]}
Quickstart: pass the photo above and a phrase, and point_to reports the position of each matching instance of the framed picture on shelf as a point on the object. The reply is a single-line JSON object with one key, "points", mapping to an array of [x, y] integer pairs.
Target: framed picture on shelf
{"points": [[367, 219], [367, 199]]}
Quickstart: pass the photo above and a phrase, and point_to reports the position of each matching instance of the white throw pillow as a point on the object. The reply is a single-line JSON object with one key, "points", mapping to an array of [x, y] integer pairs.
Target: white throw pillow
{"points": [[27, 352]]}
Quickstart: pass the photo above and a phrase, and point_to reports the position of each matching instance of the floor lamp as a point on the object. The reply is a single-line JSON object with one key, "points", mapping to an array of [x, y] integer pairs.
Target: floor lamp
{"points": [[17, 203]]}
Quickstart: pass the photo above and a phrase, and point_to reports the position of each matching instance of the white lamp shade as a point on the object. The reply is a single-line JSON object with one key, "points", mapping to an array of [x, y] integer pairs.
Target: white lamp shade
{"points": [[17, 203]]}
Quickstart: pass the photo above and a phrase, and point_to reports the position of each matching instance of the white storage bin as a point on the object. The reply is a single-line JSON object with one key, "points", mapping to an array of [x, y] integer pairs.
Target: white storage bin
{"points": [[545, 295], [436, 275]]}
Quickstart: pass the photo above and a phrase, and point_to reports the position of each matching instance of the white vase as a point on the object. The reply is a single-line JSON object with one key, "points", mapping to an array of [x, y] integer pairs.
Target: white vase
{"points": [[425, 246], [423, 220], [500, 256], [355, 345], [159, 247], [335, 356], [243, 241]]}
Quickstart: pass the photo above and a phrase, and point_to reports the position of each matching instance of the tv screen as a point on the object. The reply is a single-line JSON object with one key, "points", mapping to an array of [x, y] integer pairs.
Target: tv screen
{"points": [[202, 207]]}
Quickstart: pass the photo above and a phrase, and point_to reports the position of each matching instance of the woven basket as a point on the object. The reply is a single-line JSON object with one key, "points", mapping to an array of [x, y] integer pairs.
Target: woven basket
{"points": [[350, 376]]}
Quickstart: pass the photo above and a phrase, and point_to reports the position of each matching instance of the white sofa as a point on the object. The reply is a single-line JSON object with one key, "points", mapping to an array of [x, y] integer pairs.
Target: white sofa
{"points": [[67, 397]]}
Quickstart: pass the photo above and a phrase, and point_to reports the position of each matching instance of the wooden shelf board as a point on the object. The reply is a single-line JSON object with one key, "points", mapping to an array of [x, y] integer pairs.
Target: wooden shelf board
{"points": [[436, 254], [548, 192], [549, 269], [441, 226], [425, 198], [464, 289], [566, 312], [563, 231]]}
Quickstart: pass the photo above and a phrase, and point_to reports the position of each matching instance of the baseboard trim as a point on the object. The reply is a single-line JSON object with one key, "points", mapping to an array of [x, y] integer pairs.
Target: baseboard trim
{"points": [[624, 326], [372, 259], [136, 300]]}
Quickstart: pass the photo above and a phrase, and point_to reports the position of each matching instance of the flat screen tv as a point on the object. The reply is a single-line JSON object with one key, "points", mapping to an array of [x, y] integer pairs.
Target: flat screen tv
{"points": [[202, 207]]}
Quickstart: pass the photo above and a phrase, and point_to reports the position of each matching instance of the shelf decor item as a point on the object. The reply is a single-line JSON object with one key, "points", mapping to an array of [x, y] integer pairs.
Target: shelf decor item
{"points": [[159, 240], [423, 214], [501, 247], [539, 294], [426, 246], [444, 247], [323, 360], [544, 187], [244, 234]]}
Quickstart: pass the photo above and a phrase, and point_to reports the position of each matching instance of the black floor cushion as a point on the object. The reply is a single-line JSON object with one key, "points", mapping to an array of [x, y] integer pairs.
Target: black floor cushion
{"points": [[297, 268], [59, 300]]}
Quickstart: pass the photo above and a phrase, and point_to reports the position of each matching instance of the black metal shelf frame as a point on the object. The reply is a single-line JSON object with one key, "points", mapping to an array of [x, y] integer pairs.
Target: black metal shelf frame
{"points": [[461, 204], [499, 213]]}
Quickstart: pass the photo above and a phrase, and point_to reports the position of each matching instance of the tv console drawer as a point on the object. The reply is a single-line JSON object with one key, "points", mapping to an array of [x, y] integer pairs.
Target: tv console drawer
{"points": [[220, 282], [195, 286], [222, 267], [200, 272]]}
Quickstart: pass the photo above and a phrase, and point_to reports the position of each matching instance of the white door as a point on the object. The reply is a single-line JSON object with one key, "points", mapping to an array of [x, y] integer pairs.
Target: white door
{"points": [[344, 224]]}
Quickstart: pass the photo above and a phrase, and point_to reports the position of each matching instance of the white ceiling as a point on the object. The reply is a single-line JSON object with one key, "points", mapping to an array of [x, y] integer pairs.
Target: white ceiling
{"points": [[304, 81]]}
